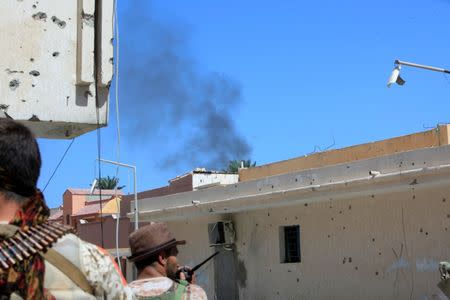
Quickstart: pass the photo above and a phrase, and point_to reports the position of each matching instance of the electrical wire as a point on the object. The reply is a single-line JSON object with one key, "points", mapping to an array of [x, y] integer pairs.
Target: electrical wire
{"points": [[57, 166], [97, 112], [116, 33]]}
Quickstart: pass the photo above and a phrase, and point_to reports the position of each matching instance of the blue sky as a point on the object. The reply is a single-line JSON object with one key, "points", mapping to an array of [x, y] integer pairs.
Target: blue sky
{"points": [[289, 76]]}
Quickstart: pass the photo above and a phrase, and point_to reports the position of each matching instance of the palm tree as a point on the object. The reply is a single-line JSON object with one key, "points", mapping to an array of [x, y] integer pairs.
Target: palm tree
{"points": [[234, 165], [108, 183]]}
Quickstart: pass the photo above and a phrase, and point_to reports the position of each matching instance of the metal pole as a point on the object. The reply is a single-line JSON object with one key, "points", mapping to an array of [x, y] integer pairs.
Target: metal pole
{"points": [[405, 63], [136, 209]]}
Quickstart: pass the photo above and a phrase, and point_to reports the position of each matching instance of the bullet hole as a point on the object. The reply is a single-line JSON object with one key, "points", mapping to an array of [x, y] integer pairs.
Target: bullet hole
{"points": [[14, 84], [296, 217], [55, 54], [296, 181], [310, 182], [348, 167], [259, 189], [331, 206], [32, 59], [313, 189], [329, 236], [420, 230], [34, 6], [272, 186], [448, 216], [270, 270], [23, 100], [211, 210], [356, 268], [225, 208], [332, 219], [376, 273], [349, 207], [298, 279], [373, 196], [343, 227], [40, 16], [349, 259], [256, 224], [344, 260], [88, 19], [9, 71], [289, 271], [61, 24], [278, 293], [34, 118], [414, 196], [443, 200], [426, 233], [285, 219], [412, 164], [243, 244], [34, 73], [33, 85], [373, 240], [306, 204], [235, 185], [445, 228], [413, 182], [268, 214], [379, 253]]}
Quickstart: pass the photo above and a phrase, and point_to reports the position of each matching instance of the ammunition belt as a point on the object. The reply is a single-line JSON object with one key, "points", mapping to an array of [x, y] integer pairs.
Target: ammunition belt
{"points": [[24, 244]]}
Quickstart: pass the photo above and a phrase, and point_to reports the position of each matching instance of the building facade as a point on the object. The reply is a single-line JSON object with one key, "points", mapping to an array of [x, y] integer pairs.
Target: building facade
{"points": [[373, 226]]}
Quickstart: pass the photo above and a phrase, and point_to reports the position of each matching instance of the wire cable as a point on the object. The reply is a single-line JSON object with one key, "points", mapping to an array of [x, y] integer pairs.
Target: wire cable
{"points": [[116, 33], [57, 166], [97, 108]]}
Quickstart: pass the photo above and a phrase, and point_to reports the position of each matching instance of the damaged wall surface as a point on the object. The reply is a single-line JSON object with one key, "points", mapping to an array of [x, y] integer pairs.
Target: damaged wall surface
{"points": [[47, 65], [371, 229]]}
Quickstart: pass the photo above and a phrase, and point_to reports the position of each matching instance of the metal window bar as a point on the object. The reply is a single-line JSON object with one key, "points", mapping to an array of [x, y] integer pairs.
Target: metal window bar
{"points": [[292, 243]]}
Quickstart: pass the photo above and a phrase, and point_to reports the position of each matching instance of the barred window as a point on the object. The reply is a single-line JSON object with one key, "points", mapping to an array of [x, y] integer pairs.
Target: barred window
{"points": [[290, 244]]}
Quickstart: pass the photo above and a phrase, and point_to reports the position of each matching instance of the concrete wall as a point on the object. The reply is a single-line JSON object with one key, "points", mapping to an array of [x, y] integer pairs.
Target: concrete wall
{"points": [[430, 138], [71, 204], [47, 65], [195, 232], [205, 179], [375, 247]]}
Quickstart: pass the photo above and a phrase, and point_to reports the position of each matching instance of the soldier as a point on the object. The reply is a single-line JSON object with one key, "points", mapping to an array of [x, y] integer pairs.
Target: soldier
{"points": [[154, 252], [39, 260]]}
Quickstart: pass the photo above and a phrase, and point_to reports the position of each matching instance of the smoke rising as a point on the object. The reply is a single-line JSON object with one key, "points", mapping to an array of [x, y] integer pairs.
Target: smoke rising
{"points": [[171, 103]]}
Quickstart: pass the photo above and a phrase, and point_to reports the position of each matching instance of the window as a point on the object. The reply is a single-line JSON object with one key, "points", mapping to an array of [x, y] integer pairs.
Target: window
{"points": [[68, 219], [290, 244]]}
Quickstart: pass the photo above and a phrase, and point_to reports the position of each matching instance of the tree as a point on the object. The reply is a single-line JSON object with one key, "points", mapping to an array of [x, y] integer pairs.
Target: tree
{"points": [[234, 165], [108, 183]]}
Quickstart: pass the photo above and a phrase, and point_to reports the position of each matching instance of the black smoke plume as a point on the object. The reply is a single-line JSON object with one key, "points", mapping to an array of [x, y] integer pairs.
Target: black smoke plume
{"points": [[169, 101]]}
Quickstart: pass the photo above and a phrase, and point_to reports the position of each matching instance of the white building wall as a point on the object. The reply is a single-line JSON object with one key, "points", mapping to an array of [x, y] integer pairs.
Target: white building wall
{"points": [[380, 247], [195, 232], [47, 65], [199, 179]]}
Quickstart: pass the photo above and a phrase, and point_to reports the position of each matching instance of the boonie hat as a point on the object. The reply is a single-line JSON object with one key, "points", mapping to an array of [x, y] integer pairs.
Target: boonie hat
{"points": [[150, 239]]}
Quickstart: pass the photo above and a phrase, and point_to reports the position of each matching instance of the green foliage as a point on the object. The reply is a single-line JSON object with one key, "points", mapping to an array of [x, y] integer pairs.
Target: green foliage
{"points": [[234, 165], [108, 183]]}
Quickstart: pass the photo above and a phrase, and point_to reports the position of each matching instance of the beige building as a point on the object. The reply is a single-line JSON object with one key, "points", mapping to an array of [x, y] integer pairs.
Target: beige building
{"points": [[364, 222]]}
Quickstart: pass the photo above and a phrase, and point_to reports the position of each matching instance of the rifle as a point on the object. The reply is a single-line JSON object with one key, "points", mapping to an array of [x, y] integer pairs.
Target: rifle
{"points": [[188, 272]]}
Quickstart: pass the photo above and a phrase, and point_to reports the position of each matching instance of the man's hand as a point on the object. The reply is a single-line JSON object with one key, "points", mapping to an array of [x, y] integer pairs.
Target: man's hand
{"points": [[185, 273]]}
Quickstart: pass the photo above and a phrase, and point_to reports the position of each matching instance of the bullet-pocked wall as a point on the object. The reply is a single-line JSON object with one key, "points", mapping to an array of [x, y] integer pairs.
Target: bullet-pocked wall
{"points": [[195, 232], [375, 247]]}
